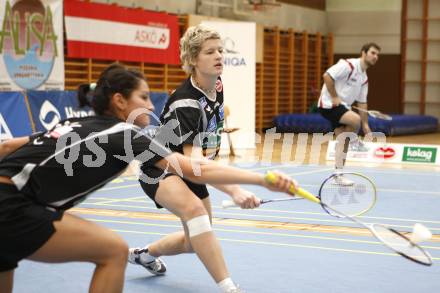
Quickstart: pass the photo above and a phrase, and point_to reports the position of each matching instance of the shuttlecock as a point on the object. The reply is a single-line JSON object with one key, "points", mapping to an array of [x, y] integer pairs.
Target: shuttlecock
{"points": [[420, 233]]}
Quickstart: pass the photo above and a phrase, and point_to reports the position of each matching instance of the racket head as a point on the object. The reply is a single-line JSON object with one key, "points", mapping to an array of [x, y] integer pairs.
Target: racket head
{"points": [[401, 244], [379, 115], [351, 200]]}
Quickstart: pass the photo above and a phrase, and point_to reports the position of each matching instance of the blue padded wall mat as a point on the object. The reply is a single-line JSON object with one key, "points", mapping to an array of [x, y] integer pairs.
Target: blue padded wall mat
{"points": [[315, 123]]}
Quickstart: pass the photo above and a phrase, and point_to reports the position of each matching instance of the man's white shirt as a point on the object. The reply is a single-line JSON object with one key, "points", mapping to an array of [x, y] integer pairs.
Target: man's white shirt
{"points": [[351, 83]]}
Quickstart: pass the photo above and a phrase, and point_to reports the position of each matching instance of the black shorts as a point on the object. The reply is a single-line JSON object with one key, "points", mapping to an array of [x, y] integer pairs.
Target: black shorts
{"points": [[150, 189], [25, 226], [334, 115]]}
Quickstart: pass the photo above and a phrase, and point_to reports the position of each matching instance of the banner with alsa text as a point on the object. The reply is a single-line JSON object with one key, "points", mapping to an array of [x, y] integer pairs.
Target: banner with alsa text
{"points": [[111, 32], [31, 45]]}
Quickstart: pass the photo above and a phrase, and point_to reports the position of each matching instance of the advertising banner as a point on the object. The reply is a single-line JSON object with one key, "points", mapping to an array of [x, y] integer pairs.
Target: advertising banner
{"points": [[390, 153], [50, 107], [110, 32], [239, 40], [31, 45], [14, 116]]}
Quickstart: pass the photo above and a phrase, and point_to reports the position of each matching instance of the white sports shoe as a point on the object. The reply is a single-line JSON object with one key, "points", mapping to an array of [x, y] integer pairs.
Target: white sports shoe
{"points": [[236, 290], [156, 266], [339, 179], [358, 146]]}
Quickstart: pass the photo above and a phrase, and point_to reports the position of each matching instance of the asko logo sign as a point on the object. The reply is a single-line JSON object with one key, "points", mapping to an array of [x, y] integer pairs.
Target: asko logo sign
{"points": [[385, 152]]}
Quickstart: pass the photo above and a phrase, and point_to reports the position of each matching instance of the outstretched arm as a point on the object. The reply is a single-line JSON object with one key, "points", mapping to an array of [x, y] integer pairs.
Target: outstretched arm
{"points": [[205, 171], [10, 145], [240, 196]]}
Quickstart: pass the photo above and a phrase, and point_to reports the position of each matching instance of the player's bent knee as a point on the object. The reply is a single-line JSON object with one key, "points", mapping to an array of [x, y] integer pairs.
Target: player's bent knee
{"points": [[194, 210], [198, 225], [357, 120], [117, 249]]}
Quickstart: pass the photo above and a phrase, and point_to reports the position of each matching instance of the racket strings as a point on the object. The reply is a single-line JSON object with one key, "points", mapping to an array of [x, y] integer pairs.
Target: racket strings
{"points": [[353, 196], [379, 115], [400, 244]]}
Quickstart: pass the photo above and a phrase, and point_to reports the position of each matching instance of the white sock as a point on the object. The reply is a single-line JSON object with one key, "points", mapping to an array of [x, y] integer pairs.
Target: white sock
{"points": [[226, 285], [146, 257]]}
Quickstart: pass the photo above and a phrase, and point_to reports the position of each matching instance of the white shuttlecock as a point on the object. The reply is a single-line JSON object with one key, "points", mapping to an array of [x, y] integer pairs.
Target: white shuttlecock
{"points": [[420, 233]]}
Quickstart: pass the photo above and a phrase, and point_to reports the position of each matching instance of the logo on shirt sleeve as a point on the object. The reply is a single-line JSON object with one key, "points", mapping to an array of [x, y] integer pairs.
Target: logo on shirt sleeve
{"points": [[61, 130], [221, 112], [212, 125], [203, 102]]}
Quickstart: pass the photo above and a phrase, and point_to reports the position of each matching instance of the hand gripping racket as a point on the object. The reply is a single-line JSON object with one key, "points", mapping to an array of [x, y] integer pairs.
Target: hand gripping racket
{"points": [[351, 193]]}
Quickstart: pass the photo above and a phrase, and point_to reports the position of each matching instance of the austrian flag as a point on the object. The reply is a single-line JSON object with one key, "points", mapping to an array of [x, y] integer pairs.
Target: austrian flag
{"points": [[110, 32]]}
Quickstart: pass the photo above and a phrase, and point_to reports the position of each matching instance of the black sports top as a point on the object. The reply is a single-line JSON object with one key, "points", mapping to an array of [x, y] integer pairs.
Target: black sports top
{"points": [[189, 117], [60, 167]]}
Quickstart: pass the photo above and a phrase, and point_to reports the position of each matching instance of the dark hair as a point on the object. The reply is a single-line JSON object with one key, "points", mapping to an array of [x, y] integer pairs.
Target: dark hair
{"points": [[367, 47], [114, 79]]}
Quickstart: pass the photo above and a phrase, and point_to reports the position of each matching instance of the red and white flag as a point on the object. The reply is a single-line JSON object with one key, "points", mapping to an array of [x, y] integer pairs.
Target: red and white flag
{"points": [[112, 32]]}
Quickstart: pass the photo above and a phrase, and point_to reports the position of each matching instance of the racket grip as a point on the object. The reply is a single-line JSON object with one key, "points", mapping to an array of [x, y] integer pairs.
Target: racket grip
{"points": [[305, 194], [272, 178], [228, 204]]}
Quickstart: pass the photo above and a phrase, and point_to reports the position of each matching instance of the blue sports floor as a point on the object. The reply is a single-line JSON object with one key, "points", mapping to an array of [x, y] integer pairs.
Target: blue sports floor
{"points": [[281, 247]]}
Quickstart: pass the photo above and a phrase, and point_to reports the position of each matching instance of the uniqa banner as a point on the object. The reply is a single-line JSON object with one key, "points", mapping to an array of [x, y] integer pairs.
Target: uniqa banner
{"points": [[110, 32], [239, 41], [31, 45]]}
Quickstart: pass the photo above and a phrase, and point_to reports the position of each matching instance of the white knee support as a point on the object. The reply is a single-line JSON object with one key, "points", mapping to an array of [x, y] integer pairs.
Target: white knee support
{"points": [[198, 225]]}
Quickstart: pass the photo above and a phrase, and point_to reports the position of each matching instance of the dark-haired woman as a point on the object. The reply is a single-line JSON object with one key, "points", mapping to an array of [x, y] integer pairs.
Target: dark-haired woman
{"points": [[43, 175]]}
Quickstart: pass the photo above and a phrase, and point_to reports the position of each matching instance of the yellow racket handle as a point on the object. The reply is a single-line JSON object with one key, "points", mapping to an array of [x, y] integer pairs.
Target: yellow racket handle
{"points": [[271, 178]]}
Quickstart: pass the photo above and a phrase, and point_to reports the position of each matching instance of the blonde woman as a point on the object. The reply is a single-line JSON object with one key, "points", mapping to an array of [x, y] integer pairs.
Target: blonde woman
{"points": [[194, 116]]}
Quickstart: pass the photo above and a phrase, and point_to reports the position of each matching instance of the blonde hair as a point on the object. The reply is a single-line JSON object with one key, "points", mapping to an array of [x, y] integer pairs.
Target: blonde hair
{"points": [[191, 44]]}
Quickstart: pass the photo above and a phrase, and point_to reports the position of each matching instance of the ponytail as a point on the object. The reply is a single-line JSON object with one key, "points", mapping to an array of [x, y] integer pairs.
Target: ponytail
{"points": [[114, 79], [83, 95]]}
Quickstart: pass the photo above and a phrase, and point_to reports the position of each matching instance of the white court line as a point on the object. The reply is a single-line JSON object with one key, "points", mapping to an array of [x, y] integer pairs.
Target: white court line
{"points": [[285, 234], [262, 210], [399, 172], [414, 192], [118, 187], [114, 200], [349, 169], [252, 216], [290, 174], [282, 166], [275, 244]]}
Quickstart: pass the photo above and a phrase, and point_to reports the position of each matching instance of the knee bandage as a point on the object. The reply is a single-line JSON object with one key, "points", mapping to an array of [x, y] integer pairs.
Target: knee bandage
{"points": [[198, 225]]}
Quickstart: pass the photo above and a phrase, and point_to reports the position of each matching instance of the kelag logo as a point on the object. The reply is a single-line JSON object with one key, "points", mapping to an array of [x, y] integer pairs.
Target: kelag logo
{"points": [[28, 42], [419, 154]]}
